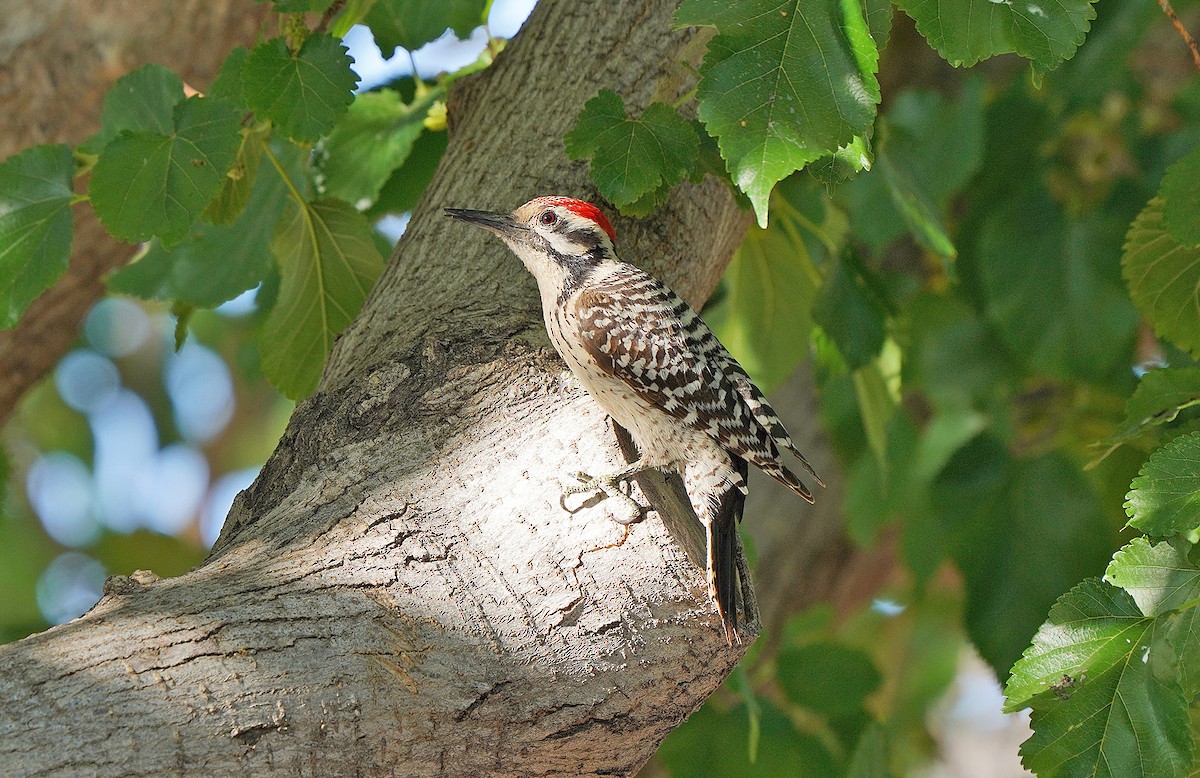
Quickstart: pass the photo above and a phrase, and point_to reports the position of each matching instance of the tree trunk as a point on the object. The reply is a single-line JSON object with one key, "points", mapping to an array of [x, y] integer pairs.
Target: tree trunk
{"points": [[400, 591]]}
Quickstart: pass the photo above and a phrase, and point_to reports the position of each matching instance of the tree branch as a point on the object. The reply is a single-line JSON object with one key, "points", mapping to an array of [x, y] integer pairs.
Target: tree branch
{"points": [[1166, 7]]}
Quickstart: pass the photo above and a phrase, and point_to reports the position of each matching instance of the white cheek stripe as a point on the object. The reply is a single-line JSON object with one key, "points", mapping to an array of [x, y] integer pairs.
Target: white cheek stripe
{"points": [[564, 246]]}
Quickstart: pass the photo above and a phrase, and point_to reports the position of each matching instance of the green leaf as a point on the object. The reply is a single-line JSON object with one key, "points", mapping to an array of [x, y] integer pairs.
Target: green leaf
{"points": [[410, 24], [631, 158], [1158, 576], [714, 742], [897, 486], [870, 756], [918, 210], [845, 163], [328, 263], [929, 147], [1101, 679], [35, 225], [831, 679], [952, 354], [1165, 497], [372, 140], [299, 6], [405, 186], [784, 83], [1158, 399], [879, 20], [1052, 287], [967, 31], [877, 407], [938, 141], [141, 101], [239, 181], [148, 184], [765, 316], [1022, 532], [1181, 199], [183, 318], [25, 550], [213, 263], [303, 93], [228, 83], [1164, 278], [1183, 632], [849, 313]]}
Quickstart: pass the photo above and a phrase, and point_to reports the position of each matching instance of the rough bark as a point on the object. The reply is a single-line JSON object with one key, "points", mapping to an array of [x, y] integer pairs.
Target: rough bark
{"points": [[57, 59], [400, 591]]}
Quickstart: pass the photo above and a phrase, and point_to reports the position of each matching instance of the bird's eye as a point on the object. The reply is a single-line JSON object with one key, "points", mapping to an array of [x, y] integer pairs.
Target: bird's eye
{"points": [[548, 217]]}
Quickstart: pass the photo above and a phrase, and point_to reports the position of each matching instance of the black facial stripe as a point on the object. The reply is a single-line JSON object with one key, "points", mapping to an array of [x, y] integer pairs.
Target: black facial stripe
{"points": [[588, 239], [578, 268]]}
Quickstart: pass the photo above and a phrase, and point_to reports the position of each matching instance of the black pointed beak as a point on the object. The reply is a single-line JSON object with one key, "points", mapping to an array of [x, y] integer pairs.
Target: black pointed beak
{"points": [[501, 224]]}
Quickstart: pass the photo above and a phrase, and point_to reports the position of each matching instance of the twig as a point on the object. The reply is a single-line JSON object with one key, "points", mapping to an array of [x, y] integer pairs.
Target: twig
{"points": [[333, 10], [1187, 38]]}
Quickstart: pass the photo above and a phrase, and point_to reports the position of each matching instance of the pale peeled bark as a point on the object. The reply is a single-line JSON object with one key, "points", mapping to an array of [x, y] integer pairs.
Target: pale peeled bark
{"points": [[400, 592]]}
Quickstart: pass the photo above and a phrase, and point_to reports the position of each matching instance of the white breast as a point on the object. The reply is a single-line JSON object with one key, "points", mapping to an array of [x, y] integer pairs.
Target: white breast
{"points": [[662, 440]]}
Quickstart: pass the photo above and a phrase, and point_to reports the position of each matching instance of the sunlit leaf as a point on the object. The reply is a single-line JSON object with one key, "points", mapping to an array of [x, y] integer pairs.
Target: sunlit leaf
{"points": [[304, 93], [406, 184], [1100, 677], [35, 225], [372, 140], [239, 181], [214, 263], [967, 31], [148, 184], [1158, 576], [1165, 497], [784, 83]]}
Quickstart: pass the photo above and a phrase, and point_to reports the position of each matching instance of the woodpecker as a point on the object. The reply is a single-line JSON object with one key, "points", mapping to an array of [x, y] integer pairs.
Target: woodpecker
{"points": [[655, 367]]}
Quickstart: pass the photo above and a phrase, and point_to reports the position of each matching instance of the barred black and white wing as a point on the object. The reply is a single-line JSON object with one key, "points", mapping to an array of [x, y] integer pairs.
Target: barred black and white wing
{"points": [[639, 331]]}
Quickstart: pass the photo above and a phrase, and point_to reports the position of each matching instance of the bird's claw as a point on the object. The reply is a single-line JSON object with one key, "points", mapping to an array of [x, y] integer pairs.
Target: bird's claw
{"points": [[626, 510], [586, 484]]}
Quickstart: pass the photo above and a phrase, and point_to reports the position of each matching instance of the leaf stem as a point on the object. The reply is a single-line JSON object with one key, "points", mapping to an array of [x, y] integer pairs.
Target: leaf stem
{"points": [[688, 95], [333, 10], [287, 180], [305, 211], [822, 235]]}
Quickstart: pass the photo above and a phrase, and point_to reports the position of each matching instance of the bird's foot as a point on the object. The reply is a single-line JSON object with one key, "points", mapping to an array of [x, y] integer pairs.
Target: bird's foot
{"points": [[625, 509]]}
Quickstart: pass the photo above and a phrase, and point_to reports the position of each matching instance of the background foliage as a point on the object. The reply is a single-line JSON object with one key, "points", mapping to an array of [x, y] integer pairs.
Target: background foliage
{"points": [[993, 268]]}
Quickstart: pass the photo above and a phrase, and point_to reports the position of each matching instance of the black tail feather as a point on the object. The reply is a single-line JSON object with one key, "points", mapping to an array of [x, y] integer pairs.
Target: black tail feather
{"points": [[723, 555]]}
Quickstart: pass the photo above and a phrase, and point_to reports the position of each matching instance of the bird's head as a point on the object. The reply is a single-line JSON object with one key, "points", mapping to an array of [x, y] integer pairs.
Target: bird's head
{"points": [[559, 239]]}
